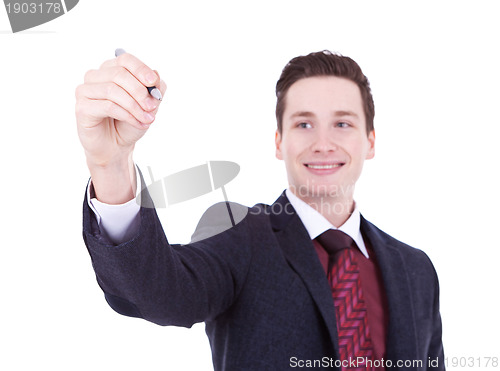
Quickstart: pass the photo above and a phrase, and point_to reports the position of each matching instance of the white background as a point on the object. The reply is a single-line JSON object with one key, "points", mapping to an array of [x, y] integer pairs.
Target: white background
{"points": [[434, 70]]}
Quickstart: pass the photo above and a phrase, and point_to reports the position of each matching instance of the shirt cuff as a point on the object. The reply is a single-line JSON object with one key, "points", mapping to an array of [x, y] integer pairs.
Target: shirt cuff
{"points": [[119, 223]]}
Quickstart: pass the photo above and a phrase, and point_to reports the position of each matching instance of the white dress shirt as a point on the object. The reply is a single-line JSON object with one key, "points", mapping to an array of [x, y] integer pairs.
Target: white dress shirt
{"points": [[316, 223], [118, 222]]}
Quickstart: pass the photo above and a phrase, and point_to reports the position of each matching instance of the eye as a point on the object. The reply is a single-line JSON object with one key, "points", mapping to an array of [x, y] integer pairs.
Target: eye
{"points": [[304, 125], [343, 124]]}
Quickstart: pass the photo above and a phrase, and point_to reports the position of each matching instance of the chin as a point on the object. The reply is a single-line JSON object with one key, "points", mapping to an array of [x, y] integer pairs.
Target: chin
{"points": [[325, 190], [317, 190]]}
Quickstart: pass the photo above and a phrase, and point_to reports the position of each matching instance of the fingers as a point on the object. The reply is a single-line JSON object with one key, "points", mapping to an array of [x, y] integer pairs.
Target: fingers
{"points": [[110, 100], [118, 90], [122, 78], [145, 75], [162, 86]]}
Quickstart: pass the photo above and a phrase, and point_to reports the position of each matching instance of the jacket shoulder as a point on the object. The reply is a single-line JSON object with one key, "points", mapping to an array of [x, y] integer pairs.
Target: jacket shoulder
{"points": [[380, 238]]}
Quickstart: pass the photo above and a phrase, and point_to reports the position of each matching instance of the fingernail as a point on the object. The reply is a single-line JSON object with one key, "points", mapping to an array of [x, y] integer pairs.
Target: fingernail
{"points": [[149, 116]]}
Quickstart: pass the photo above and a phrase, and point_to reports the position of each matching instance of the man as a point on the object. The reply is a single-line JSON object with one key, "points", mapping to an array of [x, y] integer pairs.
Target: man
{"points": [[305, 282]]}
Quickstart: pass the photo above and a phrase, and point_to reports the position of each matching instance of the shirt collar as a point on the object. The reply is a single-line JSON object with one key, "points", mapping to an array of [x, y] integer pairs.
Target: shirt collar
{"points": [[316, 224]]}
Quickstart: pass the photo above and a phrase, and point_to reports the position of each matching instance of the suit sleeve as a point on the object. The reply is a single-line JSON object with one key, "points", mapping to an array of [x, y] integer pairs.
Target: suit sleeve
{"points": [[436, 352], [146, 277]]}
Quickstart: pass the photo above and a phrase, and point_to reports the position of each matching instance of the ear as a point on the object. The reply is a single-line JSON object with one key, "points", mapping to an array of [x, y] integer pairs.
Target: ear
{"points": [[371, 149], [277, 141]]}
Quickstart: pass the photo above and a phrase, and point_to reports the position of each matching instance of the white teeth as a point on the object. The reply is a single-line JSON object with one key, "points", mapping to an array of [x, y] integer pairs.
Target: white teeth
{"points": [[321, 167]]}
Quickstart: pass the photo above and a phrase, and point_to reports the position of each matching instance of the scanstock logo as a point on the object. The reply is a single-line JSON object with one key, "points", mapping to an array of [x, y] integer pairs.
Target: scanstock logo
{"points": [[25, 14]]}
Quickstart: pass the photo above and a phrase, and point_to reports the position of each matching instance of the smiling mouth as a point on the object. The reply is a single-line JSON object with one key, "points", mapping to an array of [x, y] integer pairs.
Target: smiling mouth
{"points": [[323, 167]]}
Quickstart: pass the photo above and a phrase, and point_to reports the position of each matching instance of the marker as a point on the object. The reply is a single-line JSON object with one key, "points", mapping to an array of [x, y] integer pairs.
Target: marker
{"points": [[153, 90]]}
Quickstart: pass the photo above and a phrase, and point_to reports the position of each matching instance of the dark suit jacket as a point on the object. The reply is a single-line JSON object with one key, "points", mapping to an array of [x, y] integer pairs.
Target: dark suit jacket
{"points": [[261, 290]]}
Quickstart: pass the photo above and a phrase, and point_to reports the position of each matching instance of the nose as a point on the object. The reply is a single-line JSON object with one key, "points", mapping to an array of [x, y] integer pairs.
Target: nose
{"points": [[323, 143]]}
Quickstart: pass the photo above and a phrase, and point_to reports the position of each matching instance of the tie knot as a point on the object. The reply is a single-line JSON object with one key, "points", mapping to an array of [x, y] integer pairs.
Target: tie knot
{"points": [[334, 240]]}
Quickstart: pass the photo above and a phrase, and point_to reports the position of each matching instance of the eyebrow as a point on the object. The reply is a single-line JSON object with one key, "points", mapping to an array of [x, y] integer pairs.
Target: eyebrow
{"points": [[346, 113], [340, 113]]}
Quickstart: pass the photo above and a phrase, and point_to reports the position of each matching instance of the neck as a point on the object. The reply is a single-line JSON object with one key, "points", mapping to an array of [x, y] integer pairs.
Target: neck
{"points": [[335, 209]]}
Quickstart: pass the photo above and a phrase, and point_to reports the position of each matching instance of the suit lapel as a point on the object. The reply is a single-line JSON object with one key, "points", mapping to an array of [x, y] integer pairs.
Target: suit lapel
{"points": [[401, 334], [302, 257]]}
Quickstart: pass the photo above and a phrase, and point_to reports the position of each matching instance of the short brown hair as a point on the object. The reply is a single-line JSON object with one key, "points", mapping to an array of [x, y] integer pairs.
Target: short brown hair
{"points": [[324, 63]]}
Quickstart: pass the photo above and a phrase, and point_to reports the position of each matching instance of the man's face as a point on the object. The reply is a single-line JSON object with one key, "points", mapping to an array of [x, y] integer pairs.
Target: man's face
{"points": [[324, 141]]}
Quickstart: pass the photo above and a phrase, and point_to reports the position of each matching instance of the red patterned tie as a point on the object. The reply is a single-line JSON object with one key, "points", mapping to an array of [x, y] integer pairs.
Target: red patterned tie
{"points": [[350, 307]]}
